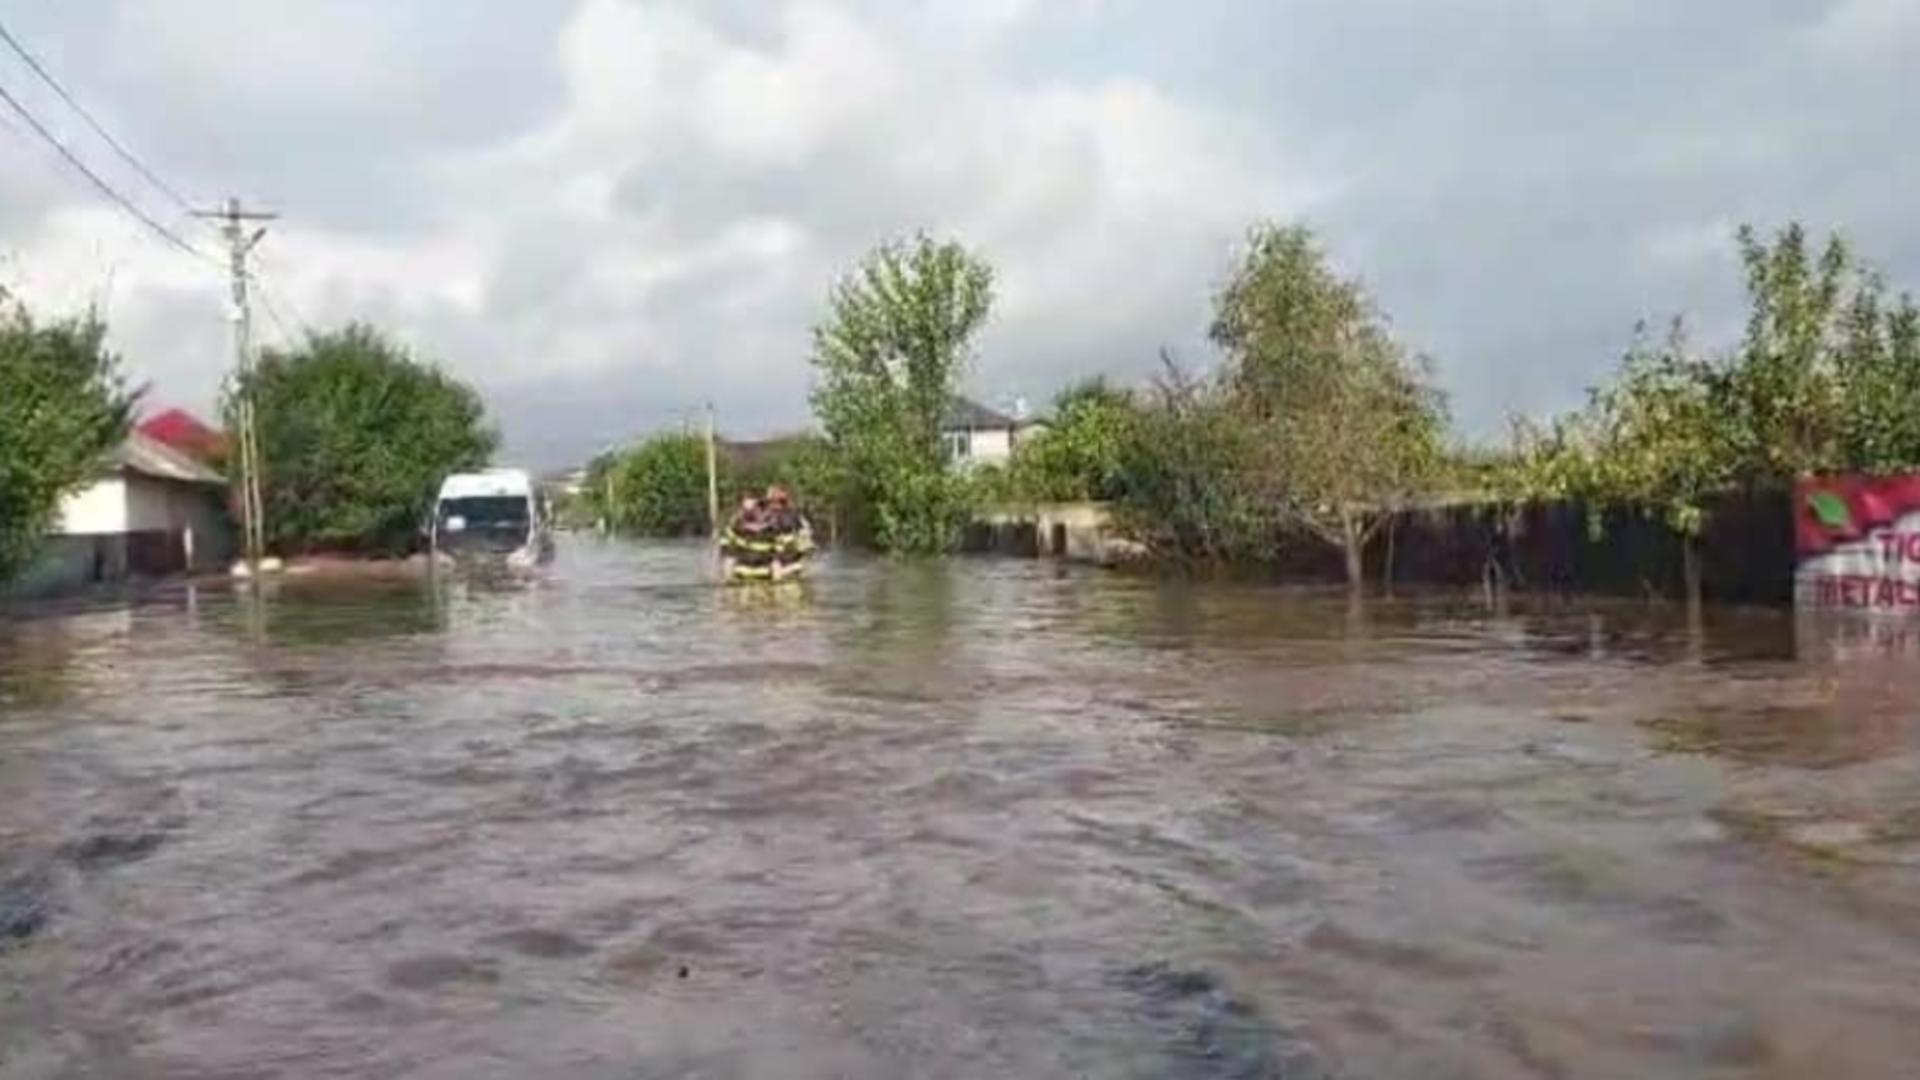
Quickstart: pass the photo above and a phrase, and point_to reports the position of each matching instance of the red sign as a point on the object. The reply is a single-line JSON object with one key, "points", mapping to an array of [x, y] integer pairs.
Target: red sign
{"points": [[1857, 541]]}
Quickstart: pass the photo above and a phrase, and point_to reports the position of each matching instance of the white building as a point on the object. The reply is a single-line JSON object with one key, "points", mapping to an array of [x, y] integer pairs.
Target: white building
{"points": [[976, 435], [151, 511]]}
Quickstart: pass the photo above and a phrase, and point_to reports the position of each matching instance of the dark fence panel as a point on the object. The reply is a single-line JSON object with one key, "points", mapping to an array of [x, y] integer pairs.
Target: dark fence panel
{"points": [[1746, 550]]}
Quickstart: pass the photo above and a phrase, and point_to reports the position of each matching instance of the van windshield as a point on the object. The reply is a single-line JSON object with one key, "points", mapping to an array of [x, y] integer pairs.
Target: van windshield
{"points": [[484, 522]]}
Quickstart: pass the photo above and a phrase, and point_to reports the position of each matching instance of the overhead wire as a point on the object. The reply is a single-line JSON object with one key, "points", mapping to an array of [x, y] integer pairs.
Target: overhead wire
{"points": [[101, 185], [264, 268], [273, 311], [98, 129]]}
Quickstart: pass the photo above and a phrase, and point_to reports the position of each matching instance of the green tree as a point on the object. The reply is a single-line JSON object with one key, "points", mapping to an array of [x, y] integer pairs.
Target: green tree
{"points": [[1827, 376], [659, 488], [887, 359], [1350, 429], [1781, 392], [1080, 453], [63, 404], [1186, 492], [1657, 436], [355, 436], [1878, 368], [1655, 440]]}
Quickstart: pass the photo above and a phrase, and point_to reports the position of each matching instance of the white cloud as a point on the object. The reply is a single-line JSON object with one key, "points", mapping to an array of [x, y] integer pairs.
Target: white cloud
{"points": [[1092, 199], [602, 211], [1883, 29]]}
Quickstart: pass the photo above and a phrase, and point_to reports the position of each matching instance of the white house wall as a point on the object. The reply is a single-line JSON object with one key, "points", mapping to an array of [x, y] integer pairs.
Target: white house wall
{"points": [[96, 510], [991, 447]]}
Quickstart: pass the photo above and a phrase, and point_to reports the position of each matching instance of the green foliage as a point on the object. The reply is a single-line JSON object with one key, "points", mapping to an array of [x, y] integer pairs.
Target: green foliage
{"points": [[1080, 454], [1781, 392], [659, 488], [888, 358], [1349, 426], [1654, 439], [1826, 378], [63, 404], [355, 437], [1185, 487]]}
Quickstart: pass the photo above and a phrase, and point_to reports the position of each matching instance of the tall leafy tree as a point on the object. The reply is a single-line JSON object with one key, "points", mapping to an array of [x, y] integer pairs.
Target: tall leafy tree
{"points": [[1783, 400], [1350, 427], [1828, 374], [356, 435], [887, 358], [63, 404]]}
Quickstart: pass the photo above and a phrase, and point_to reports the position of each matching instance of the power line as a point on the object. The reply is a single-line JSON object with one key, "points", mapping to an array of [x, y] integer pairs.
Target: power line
{"points": [[273, 311], [105, 188], [265, 267], [125, 154]]}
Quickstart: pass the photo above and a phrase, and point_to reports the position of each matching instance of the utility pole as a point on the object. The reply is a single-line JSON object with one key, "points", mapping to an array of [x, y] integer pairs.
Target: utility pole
{"points": [[713, 478], [233, 228]]}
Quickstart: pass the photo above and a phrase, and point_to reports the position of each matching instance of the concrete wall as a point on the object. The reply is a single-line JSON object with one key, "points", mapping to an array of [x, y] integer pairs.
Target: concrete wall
{"points": [[67, 563], [1080, 531]]}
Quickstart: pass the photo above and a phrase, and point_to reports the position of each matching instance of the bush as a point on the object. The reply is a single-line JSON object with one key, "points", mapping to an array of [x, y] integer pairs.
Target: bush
{"points": [[355, 437], [1081, 454], [659, 488], [1185, 468]]}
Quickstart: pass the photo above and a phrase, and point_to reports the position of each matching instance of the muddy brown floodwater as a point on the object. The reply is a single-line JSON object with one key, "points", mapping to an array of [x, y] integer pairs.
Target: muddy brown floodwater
{"points": [[966, 819]]}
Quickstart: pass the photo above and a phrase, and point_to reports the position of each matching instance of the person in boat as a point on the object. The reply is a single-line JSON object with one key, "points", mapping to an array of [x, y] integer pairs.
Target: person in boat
{"points": [[747, 544], [793, 534], [768, 538]]}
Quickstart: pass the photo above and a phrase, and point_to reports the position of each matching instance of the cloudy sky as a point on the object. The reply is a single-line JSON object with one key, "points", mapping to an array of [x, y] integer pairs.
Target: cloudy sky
{"points": [[605, 212]]}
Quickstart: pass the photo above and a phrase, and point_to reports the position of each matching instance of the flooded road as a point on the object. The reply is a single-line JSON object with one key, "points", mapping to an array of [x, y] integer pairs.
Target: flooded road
{"points": [[969, 819]]}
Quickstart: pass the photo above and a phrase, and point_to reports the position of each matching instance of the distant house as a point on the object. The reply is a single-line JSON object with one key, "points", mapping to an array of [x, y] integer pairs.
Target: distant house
{"points": [[185, 432], [976, 435], [150, 511]]}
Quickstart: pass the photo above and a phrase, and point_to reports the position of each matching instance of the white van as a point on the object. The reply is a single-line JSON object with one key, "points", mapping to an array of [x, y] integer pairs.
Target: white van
{"points": [[498, 513]]}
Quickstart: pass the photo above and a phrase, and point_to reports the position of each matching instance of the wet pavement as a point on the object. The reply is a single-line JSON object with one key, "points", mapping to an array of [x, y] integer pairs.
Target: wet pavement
{"points": [[960, 819]]}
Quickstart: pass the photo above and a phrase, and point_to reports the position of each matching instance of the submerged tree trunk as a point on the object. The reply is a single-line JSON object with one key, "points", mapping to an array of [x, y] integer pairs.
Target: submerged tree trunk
{"points": [[1386, 570], [1691, 578], [1690, 569], [1353, 542]]}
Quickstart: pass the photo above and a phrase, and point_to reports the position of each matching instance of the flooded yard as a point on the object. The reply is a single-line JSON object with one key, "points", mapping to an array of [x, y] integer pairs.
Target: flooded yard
{"points": [[954, 819]]}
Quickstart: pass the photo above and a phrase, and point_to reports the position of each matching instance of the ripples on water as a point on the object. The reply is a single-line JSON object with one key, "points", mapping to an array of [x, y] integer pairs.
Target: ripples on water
{"points": [[972, 819]]}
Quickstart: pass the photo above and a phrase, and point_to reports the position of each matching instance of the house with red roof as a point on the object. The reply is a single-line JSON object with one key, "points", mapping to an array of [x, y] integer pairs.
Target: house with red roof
{"points": [[186, 433], [150, 511]]}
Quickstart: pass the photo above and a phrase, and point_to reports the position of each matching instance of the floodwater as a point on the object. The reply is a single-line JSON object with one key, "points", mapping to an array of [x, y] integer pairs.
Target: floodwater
{"points": [[962, 819]]}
